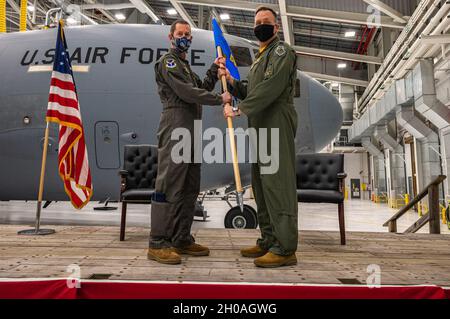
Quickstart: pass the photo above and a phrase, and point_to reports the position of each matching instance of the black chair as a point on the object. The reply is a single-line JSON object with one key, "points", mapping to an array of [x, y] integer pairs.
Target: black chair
{"points": [[138, 178], [320, 179]]}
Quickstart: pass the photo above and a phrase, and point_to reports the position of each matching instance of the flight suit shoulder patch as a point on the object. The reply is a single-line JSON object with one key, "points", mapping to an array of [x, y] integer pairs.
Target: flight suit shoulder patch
{"points": [[280, 50], [170, 63]]}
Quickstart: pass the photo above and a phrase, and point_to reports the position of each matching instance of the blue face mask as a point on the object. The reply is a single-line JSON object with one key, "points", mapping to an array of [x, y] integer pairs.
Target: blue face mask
{"points": [[182, 44]]}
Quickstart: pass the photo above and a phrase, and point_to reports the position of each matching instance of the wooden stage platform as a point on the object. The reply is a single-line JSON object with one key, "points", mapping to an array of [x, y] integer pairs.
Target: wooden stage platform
{"points": [[417, 259]]}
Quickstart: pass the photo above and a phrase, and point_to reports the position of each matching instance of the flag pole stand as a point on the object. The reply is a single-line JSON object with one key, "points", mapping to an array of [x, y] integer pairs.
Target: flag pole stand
{"points": [[37, 231], [237, 174]]}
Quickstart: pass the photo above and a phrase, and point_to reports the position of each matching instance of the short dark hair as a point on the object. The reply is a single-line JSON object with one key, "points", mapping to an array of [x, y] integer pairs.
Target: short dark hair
{"points": [[173, 26], [264, 8]]}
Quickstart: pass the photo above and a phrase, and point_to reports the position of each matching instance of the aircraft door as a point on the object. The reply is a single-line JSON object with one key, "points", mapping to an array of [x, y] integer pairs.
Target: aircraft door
{"points": [[107, 145]]}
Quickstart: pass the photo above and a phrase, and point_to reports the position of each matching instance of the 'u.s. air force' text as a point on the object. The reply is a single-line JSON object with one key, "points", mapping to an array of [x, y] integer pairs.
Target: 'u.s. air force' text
{"points": [[93, 55]]}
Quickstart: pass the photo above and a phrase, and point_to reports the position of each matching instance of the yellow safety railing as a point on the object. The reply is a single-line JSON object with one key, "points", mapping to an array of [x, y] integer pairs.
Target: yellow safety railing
{"points": [[430, 214], [2, 16], [397, 203], [443, 214], [406, 199], [23, 15], [422, 209], [380, 198]]}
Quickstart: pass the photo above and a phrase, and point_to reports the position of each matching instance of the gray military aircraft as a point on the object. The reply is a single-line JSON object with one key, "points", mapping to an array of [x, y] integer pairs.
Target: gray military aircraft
{"points": [[113, 70]]}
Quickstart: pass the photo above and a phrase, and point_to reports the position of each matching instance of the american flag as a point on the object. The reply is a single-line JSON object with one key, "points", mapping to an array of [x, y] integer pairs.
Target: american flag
{"points": [[64, 109]]}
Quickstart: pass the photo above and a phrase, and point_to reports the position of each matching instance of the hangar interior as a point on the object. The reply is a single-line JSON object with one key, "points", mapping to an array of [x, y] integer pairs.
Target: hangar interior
{"points": [[386, 61]]}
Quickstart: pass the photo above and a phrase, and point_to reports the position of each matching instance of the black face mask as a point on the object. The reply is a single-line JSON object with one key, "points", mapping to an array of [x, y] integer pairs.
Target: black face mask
{"points": [[264, 32]]}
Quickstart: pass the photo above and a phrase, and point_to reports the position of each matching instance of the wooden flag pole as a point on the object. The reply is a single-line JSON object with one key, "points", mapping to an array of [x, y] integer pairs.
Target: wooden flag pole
{"points": [[37, 230], [234, 156]]}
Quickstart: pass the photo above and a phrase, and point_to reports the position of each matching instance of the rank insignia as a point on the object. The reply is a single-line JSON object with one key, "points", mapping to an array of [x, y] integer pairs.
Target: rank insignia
{"points": [[280, 50]]}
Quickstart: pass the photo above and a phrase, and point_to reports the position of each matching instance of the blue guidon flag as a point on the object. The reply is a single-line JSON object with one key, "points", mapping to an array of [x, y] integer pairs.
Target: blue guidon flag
{"points": [[220, 41], [64, 109]]}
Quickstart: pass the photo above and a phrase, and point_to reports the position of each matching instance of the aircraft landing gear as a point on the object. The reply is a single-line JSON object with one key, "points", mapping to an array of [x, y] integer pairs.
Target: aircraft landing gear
{"points": [[241, 220], [200, 210], [106, 207]]}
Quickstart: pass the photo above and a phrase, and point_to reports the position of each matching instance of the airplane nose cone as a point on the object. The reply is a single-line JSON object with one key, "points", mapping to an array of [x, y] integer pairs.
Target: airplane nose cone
{"points": [[320, 116]]}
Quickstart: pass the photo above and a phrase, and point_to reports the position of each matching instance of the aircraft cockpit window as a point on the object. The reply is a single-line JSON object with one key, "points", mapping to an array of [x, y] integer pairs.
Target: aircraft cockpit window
{"points": [[242, 55]]}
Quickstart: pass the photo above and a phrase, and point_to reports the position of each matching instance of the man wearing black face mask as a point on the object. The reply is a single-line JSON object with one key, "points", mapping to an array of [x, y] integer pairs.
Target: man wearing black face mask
{"points": [[177, 186], [267, 100]]}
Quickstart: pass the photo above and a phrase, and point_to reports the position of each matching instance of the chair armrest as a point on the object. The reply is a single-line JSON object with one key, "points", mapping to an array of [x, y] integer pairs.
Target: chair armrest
{"points": [[341, 175], [123, 173], [123, 180]]}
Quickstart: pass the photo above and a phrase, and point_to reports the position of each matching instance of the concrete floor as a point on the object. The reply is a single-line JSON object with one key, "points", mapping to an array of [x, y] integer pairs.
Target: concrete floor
{"points": [[361, 216]]}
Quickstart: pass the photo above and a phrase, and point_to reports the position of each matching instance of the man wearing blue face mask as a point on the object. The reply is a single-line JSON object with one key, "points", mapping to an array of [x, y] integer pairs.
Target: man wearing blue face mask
{"points": [[182, 94]]}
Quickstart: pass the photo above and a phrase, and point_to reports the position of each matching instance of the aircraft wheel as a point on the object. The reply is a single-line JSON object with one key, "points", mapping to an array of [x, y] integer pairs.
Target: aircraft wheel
{"points": [[235, 219]]}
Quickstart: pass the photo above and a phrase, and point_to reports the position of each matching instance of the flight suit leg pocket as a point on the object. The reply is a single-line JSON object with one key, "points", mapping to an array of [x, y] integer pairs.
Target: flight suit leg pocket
{"points": [[275, 195], [284, 219], [161, 222]]}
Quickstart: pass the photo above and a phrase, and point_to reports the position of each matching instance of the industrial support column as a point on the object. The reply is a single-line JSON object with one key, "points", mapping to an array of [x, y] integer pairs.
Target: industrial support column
{"points": [[379, 171], [347, 101], [396, 155], [428, 162], [427, 104]]}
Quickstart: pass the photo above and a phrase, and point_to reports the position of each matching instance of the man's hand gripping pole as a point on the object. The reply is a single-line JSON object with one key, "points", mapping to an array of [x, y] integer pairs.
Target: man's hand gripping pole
{"points": [[237, 174]]}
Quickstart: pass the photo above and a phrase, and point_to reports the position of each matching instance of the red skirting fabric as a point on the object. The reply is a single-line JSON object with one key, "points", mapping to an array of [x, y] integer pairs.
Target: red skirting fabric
{"points": [[219, 291], [58, 289], [45, 289]]}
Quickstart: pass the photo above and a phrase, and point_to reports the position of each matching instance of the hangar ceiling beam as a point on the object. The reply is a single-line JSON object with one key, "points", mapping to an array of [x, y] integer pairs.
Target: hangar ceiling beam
{"points": [[303, 12], [286, 22], [338, 55], [12, 21], [383, 7], [182, 12], [115, 6], [201, 18], [143, 7], [104, 12], [16, 8], [343, 17], [337, 79], [320, 34], [216, 15]]}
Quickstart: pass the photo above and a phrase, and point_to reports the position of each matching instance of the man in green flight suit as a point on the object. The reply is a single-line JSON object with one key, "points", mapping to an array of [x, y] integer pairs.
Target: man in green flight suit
{"points": [[177, 186], [267, 100]]}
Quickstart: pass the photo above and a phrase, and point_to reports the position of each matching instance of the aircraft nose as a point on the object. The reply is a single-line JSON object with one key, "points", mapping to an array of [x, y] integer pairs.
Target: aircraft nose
{"points": [[320, 115]]}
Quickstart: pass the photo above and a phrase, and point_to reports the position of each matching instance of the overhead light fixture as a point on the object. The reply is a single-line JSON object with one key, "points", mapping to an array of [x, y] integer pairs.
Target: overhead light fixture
{"points": [[172, 11], [350, 34], [224, 16], [71, 20], [120, 16], [342, 65], [334, 84], [30, 8]]}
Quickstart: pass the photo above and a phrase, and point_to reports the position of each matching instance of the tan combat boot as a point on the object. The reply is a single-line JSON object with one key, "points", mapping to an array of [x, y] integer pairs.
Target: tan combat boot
{"points": [[193, 250], [253, 252], [270, 260], [164, 256]]}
